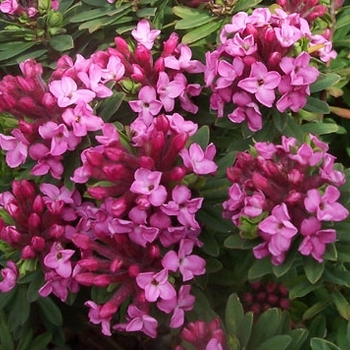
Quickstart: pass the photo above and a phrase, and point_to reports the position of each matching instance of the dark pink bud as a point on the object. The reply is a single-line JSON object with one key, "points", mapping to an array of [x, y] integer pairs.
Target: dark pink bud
{"points": [[38, 204], [26, 84], [48, 100], [154, 251], [98, 192], [102, 280], [248, 298], [23, 189], [12, 234], [115, 265], [134, 270], [272, 299], [38, 243], [57, 231], [274, 59], [270, 287], [85, 278], [256, 285], [108, 309], [283, 290], [26, 128], [143, 56], [256, 308], [261, 296], [147, 162], [89, 263], [94, 158], [285, 303], [122, 46], [159, 65], [34, 221], [170, 44], [115, 172], [31, 68], [81, 241], [269, 35], [119, 206], [28, 252], [260, 182], [251, 30], [113, 153]]}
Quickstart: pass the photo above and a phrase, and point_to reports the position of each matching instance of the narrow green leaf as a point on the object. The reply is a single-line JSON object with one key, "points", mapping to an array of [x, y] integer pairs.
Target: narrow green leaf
{"points": [[316, 309], [279, 342], [313, 269], [5, 298], [302, 288], [299, 336], [9, 50], [110, 106], [62, 42], [235, 241], [41, 341], [201, 136], [211, 246], [324, 81], [245, 329], [280, 120], [201, 32], [282, 269], [212, 265], [211, 216], [184, 11], [215, 188], [51, 311], [321, 128], [316, 105], [234, 314], [5, 334], [20, 309], [341, 304], [194, 21], [322, 344], [260, 268], [343, 21], [243, 5], [26, 339]]}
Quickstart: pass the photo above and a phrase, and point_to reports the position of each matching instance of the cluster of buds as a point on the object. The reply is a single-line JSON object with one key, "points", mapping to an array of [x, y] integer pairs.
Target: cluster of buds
{"points": [[30, 9], [259, 63], [286, 193], [264, 296], [40, 221], [204, 336]]}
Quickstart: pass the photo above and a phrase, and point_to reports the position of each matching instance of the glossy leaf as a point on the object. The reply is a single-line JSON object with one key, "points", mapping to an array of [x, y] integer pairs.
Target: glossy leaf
{"points": [[322, 344], [200, 32], [62, 42], [324, 81], [341, 304], [313, 269], [50, 310], [41, 341], [316, 105], [279, 342], [20, 308], [233, 314], [260, 268], [6, 339]]}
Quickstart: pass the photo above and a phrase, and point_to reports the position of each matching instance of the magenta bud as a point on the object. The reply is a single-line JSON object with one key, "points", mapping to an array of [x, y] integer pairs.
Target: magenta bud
{"points": [[108, 309], [159, 65], [115, 265], [113, 153], [270, 287], [272, 299], [85, 278], [102, 280], [81, 241], [89, 263], [248, 298], [13, 235], [261, 296], [38, 243], [143, 55], [154, 251], [119, 206], [28, 252], [38, 204], [285, 303], [26, 128], [34, 221], [23, 189], [147, 162], [57, 231], [122, 46], [170, 44], [94, 158], [134, 270]]}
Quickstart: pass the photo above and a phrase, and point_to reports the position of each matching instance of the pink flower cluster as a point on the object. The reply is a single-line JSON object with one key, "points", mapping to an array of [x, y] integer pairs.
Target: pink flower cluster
{"points": [[286, 194], [129, 222], [256, 66]]}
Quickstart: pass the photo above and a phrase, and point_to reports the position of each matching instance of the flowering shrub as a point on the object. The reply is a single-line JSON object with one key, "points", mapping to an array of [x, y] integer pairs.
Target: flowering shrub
{"points": [[174, 172]]}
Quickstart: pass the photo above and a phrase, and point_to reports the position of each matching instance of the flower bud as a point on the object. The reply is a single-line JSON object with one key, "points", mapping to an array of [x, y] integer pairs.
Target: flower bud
{"points": [[28, 253], [38, 243]]}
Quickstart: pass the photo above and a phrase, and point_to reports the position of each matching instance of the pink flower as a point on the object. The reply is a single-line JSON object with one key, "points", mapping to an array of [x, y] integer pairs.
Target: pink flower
{"points": [[95, 318], [139, 321], [315, 239], [184, 302], [9, 277], [147, 106], [169, 90], [326, 206], [81, 119], [61, 138], [9, 6], [188, 265], [287, 35], [55, 198], [182, 206], [200, 162], [59, 260], [261, 83], [114, 70], [278, 230], [67, 93], [229, 72], [144, 35], [148, 183], [17, 147], [156, 285]]}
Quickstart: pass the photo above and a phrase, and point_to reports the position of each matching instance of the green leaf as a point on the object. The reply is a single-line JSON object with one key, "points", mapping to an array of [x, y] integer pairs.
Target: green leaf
{"points": [[26, 338], [313, 269], [299, 336], [245, 329], [41, 341], [235, 241], [260, 268], [194, 21], [20, 309], [324, 81], [201, 136], [302, 288], [62, 42], [316, 309], [184, 11], [5, 334], [110, 106], [316, 105], [12, 49], [211, 246], [279, 342], [211, 216], [341, 304], [282, 269], [280, 120], [320, 128], [243, 5], [212, 265], [51, 311], [215, 188], [5, 298], [233, 314], [322, 344], [201, 32]]}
